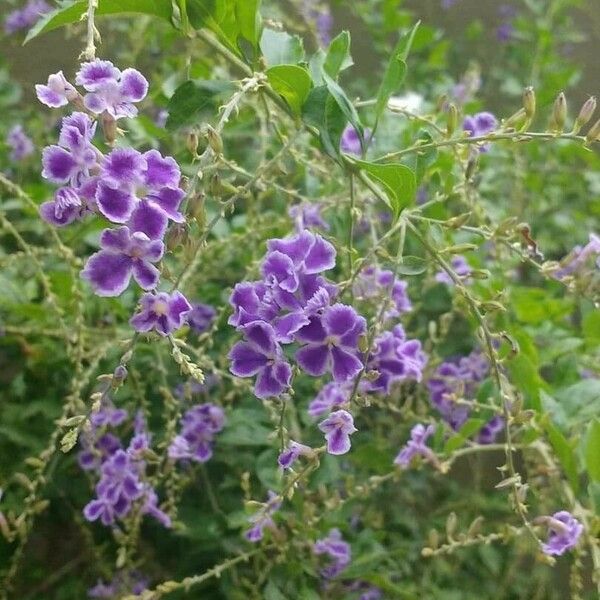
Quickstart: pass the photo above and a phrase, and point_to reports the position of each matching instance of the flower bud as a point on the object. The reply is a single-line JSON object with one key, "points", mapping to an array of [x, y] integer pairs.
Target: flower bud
{"points": [[214, 140], [175, 236], [585, 114], [109, 127], [593, 135], [191, 143], [559, 114], [515, 120], [120, 374], [529, 102], [451, 119]]}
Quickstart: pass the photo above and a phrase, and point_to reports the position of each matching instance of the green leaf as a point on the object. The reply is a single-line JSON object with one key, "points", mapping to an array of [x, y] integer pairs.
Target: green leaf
{"points": [[217, 15], [533, 305], [345, 106], [338, 55], [193, 97], [398, 182], [247, 14], [564, 453], [244, 429], [322, 112], [412, 265], [71, 12], [592, 450], [394, 73], [470, 427], [315, 66], [292, 82], [280, 48]]}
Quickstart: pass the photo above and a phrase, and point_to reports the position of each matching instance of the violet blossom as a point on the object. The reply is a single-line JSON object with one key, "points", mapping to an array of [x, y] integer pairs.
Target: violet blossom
{"points": [[460, 266], [122, 584], [163, 312], [307, 214], [291, 454], [338, 551], [373, 282], [25, 17], [338, 427], [20, 144], [261, 355], [350, 140], [479, 125], [200, 317], [57, 92], [332, 395], [199, 427], [263, 518], [419, 435], [123, 254], [564, 530]]}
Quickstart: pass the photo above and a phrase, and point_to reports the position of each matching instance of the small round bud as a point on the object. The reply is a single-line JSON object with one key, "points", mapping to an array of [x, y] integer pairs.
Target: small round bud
{"points": [[120, 374], [515, 120], [214, 140], [109, 127], [191, 143]]}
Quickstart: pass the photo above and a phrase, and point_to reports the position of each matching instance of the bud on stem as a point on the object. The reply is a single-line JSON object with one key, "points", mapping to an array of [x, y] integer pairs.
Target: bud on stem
{"points": [[559, 114], [593, 135], [585, 114], [529, 102]]}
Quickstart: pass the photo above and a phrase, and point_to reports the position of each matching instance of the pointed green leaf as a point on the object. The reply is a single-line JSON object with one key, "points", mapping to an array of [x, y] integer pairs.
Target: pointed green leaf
{"points": [[397, 180], [322, 112], [71, 12], [281, 48], [470, 427], [564, 453], [338, 55], [395, 72], [292, 82], [193, 97], [249, 21]]}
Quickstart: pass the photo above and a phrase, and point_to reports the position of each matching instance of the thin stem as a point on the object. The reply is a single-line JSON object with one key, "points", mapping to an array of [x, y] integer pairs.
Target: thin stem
{"points": [[90, 47]]}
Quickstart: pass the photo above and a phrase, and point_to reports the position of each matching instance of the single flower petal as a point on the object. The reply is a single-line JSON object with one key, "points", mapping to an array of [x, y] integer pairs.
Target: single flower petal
{"points": [[108, 273], [58, 164], [146, 274], [313, 359], [245, 360], [134, 85], [115, 204], [149, 220], [161, 171]]}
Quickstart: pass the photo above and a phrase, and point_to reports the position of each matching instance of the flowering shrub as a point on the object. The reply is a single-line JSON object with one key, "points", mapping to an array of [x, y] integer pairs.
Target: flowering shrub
{"points": [[274, 325]]}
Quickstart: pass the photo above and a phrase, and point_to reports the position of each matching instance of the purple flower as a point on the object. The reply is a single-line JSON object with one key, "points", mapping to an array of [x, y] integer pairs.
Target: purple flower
{"points": [[373, 282], [291, 454], [332, 343], [122, 584], [20, 144], [118, 488], [201, 317], [457, 380], [491, 430], [505, 32], [337, 550], [480, 124], [446, 4], [260, 354], [199, 426], [25, 17], [394, 358], [350, 140], [332, 395], [66, 207], [321, 17], [110, 90], [263, 518], [307, 214], [459, 265], [57, 92], [141, 190], [162, 312], [579, 257], [74, 159], [416, 446], [564, 531], [123, 254], [338, 427]]}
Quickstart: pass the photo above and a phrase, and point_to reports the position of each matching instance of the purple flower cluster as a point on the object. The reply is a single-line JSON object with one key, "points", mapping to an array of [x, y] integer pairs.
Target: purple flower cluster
{"points": [[480, 124], [20, 144], [419, 434], [122, 584], [201, 317], [199, 427], [333, 395], [263, 518], [506, 30], [381, 284], [25, 17], [460, 266], [337, 550], [292, 453], [350, 140], [139, 192], [293, 304], [458, 379], [564, 530], [122, 482], [394, 358]]}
